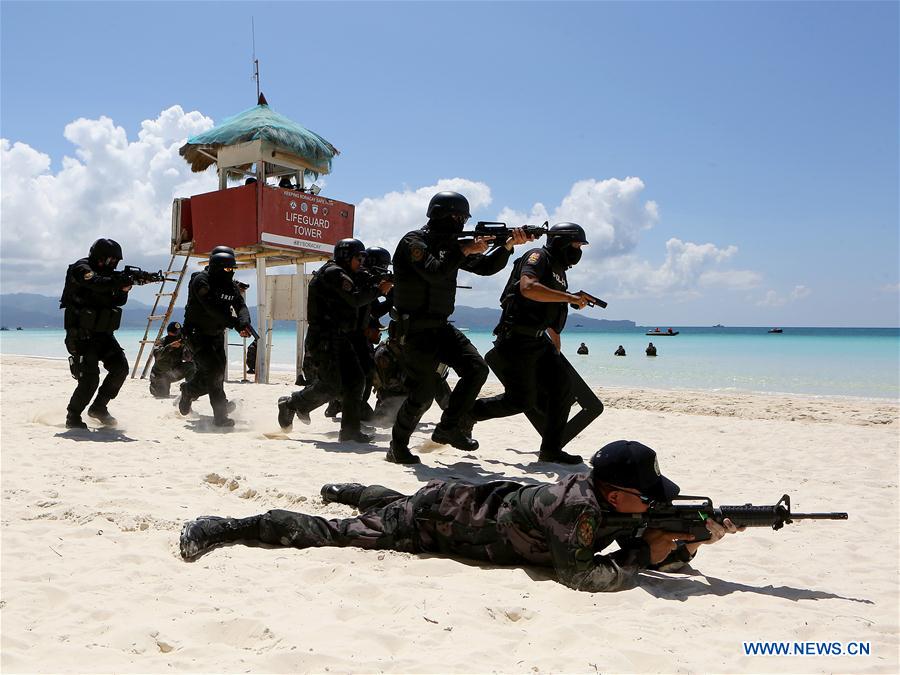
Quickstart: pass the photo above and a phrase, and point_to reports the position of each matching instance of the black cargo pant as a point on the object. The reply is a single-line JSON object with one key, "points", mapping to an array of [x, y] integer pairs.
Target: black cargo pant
{"points": [[211, 364], [535, 376], [422, 351], [338, 373], [91, 349]]}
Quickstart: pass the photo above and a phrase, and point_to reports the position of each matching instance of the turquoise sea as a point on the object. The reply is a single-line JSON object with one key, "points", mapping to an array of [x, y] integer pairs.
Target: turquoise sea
{"points": [[863, 362]]}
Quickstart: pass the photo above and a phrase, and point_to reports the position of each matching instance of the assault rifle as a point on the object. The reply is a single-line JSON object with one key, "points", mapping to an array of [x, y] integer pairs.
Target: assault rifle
{"points": [[592, 301], [375, 275], [691, 518], [500, 231], [135, 276]]}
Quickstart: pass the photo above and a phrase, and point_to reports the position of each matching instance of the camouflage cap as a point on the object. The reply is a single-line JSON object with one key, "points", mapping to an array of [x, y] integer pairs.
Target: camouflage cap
{"points": [[630, 464]]}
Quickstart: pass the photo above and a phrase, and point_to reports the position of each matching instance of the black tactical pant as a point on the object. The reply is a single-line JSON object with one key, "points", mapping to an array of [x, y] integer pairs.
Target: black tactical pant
{"points": [[535, 376], [91, 349], [161, 379], [423, 350], [211, 361], [338, 373]]}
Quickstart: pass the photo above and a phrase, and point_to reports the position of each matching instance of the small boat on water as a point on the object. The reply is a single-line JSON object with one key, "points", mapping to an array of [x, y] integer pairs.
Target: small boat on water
{"points": [[718, 325], [775, 330], [656, 332]]}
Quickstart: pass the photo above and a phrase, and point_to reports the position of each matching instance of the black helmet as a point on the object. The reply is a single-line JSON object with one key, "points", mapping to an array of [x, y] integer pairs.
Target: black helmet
{"points": [[347, 249], [378, 257], [173, 328], [448, 204], [222, 249], [106, 252], [221, 260], [566, 233], [560, 238]]}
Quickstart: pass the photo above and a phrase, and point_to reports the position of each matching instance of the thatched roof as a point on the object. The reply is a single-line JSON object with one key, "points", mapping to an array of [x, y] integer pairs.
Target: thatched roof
{"points": [[259, 123]]}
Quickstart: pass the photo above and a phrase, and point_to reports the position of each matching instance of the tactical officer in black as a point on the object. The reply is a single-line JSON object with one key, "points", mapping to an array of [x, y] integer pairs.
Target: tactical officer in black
{"points": [[214, 304], [333, 310], [426, 264], [171, 361], [377, 267], [535, 305], [92, 297]]}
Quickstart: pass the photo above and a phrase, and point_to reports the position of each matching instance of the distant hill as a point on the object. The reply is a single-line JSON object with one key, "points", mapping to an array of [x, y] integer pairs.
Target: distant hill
{"points": [[485, 318], [31, 310]]}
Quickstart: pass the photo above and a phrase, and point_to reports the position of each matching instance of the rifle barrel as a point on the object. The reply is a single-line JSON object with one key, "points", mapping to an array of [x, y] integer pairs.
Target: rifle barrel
{"points": [[834, 515]]}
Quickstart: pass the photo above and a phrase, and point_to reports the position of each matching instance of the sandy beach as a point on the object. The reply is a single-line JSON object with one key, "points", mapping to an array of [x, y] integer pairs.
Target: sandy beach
{"points": [[92, 580]]}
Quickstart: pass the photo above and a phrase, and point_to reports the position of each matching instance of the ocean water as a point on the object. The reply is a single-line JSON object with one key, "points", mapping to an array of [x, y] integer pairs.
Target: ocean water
{"points": [[862, 362]]}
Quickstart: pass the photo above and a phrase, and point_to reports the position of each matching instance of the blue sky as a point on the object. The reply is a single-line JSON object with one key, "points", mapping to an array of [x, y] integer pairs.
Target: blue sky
{"points": [[768, 131]]}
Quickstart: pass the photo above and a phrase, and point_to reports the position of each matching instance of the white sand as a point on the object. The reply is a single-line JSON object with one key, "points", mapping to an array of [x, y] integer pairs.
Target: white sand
{"points": [[92, 581]]}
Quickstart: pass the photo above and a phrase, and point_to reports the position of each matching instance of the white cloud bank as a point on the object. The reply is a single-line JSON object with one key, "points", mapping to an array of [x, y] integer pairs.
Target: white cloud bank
{"points": [[775, 299], [112, 187], [123, 189]]}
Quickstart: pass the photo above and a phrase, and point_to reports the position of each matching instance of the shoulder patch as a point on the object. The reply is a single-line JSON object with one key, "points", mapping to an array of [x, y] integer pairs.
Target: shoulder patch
{"points": [[346, 284], [203, 290], [88, 276], [533, 258], [584, 530], [416, 251]]}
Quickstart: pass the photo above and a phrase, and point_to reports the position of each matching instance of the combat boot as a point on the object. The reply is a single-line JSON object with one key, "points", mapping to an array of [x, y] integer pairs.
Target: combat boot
{"points": [[560, 457], [222, 421], [75, 422], [285, 413], [342, 493], [401, 455], [100, 413], [184, 402], [230, 406], [206, 532], [333, 409], [355, 436], [455, 437]]}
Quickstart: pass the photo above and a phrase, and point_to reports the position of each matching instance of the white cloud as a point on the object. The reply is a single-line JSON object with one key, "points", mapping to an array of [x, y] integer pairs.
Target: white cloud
{"points": [[775, 299], [112, 187], [890, 288], [381, 221], [121, 188], [610, 210]]}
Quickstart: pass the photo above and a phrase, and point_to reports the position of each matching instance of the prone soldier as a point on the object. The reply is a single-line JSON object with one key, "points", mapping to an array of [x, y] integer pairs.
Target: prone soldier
{"points": [[215, 303], [171, 361], [561, 525], [334, 304], [426, 264], [92, 298], [535, 305]]}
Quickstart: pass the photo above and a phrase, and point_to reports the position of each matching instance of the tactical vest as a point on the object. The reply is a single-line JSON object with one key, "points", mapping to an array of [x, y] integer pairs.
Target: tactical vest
{"points": [[520, 311]]}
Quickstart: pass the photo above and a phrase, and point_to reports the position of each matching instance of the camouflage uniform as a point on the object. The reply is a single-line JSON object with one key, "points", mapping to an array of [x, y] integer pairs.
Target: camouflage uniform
{"points": [[170, 364], [506, 523]]}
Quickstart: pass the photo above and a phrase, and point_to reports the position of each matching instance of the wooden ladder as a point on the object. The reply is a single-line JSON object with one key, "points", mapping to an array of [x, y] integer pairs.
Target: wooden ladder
{"points": [[163, 318]]}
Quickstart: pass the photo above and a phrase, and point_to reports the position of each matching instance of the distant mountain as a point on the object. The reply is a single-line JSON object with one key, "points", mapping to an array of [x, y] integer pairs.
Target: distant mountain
{"points": [[30, 310], [485, 318]]}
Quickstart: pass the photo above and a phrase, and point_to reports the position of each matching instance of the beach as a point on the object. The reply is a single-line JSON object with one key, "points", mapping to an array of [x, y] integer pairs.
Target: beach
{"points": [[92, 580]]}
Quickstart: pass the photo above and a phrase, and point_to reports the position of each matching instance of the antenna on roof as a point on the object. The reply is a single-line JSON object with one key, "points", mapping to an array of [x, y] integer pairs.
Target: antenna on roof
{"points": [[255, 75]]}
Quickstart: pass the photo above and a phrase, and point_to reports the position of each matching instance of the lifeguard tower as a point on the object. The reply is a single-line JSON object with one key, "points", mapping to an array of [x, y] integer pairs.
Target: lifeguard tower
{"points": [[265, 224]]}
